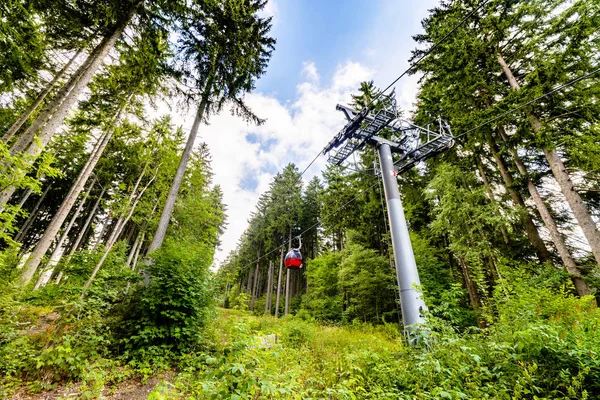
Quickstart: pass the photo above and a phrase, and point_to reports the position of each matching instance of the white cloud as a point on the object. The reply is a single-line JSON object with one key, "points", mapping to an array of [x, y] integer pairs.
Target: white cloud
{"points": [[271, 10], [309, 72], [293, 132]]}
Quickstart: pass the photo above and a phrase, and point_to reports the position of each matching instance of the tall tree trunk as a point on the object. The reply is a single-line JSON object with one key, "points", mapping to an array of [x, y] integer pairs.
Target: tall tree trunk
{"points": [[133, 250], [49, 126], [87, 223], [582, 215], [121, 221], [287, 279], [559, 243], [32, 215], [474, 297], [226, 295], [56, 254], [250, 281], [531, 229], [165, 217], [25, 197], [287, 291], [117, 232], [141, 237], [46, 113], [269, 294], [60, 216], [279, 285], [138, 252], [105, 227], [255, 283], [38, 100]]}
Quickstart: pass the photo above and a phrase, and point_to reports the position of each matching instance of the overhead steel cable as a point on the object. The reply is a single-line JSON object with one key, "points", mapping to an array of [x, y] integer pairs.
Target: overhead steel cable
{"points": [[512, 110], [293, 185], [429, 51]]}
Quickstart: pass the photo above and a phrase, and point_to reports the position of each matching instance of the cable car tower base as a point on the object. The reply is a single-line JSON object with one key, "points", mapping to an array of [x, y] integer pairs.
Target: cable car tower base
{"points": [[413, 144]]}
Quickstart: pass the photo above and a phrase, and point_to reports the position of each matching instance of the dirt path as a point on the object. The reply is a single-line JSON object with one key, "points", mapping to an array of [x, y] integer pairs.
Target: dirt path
{"points": [[128, 390]]}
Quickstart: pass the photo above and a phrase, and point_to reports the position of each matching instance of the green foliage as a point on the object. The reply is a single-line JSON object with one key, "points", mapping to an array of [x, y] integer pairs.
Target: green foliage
{"points": [[10, 176], [238, 300], [324, 300], [171, 310], [538, 354], [22, 47], [53, 349], [367, 285]]}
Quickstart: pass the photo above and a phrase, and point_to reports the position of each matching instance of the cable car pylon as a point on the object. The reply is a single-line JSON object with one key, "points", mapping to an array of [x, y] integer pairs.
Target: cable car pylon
{"points": [[412, 144]]}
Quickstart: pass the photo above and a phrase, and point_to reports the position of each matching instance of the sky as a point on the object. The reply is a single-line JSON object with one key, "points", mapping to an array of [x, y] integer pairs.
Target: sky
{"points": [[324, 50]]}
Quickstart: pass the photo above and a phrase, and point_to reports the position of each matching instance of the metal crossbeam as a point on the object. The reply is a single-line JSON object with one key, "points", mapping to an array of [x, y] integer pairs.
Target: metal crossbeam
{"points": [[415, 143], [361, 126]]}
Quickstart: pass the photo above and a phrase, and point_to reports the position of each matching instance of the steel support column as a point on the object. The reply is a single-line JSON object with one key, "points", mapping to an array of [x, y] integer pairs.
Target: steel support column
{"points": [[411, 300]]}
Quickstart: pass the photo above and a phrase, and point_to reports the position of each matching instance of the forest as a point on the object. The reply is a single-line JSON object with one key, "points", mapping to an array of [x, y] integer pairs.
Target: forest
{"points": [[110, 215]]}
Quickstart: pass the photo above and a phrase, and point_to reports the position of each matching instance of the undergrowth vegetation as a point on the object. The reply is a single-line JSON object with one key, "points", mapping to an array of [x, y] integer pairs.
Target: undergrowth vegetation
{"points": [[543, 345]]}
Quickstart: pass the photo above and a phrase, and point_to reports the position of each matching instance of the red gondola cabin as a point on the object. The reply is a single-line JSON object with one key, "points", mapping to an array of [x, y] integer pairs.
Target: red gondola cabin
{"points": [[293, 259]]}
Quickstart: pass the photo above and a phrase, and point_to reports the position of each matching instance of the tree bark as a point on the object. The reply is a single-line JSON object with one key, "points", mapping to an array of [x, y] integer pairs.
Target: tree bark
{"points": [[55, 257], [255, 286], [87, 223], [94, 61], [116, 233], [279, 285], [25, 197], [287, 291], [255, 283], [163, 224], [531, 229], [472, 291], [32, 215], [559, 243], [269, 294], [105, 227], [120, 224], [36, 256], [582, 215], [138, 252], [250, 281], [133, 250], [38, 100], [56, 116], [26, 137], [287, 279]]}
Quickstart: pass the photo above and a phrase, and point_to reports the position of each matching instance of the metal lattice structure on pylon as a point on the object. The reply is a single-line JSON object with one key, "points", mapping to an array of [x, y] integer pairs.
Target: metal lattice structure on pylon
{"points": [[412, 144]]}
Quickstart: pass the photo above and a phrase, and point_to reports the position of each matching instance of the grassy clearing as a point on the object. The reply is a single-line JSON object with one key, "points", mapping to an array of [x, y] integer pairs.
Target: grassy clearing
{"points": [[309, 360], [542, 352]]}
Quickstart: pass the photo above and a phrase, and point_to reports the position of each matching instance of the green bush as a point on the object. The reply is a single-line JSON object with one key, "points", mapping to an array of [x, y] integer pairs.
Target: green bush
{"points": [[169, 312]]}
